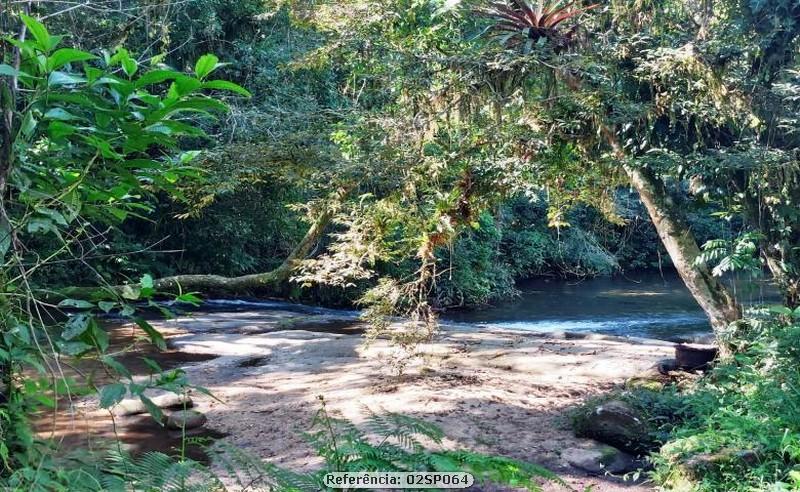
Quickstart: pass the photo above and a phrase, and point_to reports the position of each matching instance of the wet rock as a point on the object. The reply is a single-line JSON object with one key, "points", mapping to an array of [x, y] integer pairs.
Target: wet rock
{"points": [[596, 458], [166, 401], [185, 419], [615, 423]]}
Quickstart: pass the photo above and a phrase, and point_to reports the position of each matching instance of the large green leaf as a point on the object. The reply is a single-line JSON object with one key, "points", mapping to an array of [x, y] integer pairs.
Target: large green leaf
{"points": [[202, 105], [75, 303], [152, 409], [44, 40], [5, 239], [58, 79], [75, 326], [224, 85], [112, 394], [99, 335], [156, 77], [60, 114], [205, 65], [8, 70], [155, 337], [67, 55]]}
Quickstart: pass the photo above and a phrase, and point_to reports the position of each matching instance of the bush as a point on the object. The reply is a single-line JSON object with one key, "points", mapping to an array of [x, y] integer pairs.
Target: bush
{"points": [[741, 430]]}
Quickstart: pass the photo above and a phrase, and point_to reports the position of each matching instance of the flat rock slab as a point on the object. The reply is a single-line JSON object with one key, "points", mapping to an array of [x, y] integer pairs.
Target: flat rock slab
{"points": [[500, 392], [185, 419]]}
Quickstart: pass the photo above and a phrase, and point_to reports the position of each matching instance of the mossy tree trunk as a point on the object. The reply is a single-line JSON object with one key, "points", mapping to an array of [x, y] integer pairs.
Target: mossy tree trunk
{"points": [[711, 294]]}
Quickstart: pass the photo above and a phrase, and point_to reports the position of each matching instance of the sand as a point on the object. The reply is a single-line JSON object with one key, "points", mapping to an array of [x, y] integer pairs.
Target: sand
{"points": [[492, 391]]}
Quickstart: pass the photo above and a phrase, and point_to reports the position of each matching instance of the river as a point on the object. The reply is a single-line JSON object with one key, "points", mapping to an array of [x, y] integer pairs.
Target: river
{"points": [[647, 305]]}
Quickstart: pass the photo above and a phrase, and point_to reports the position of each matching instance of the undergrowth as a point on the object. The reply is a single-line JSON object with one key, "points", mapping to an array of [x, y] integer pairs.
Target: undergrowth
{"points": [[740, 428]]}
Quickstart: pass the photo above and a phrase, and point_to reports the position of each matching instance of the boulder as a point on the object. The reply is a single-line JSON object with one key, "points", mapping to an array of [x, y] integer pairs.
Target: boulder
{"points": [[695, 356], [134, 406], [185, 419], [616, 423], [599, 459]]}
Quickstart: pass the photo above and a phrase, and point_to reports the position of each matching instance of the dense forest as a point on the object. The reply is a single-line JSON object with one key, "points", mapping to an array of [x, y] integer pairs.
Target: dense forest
{"points": [[405, 158]]}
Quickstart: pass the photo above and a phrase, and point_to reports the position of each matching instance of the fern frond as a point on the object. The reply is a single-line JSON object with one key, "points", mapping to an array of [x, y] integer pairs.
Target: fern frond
{"points": [[496, 469]]}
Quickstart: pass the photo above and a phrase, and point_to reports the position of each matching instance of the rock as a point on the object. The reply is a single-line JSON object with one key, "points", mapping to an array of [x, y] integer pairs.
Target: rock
{"points": [[693, 356], [665, 366], [167, 401], [597, 458], [696, 467], [651, 379], [185, 419], [616, 423]]}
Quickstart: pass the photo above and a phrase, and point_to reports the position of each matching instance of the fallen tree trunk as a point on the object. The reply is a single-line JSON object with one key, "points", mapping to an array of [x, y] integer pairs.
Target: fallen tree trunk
{"points": [[270, 283]]}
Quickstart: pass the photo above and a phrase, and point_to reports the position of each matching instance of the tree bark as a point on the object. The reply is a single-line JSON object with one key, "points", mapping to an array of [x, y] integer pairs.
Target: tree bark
{"points": [[710, 293], [271, 283]]}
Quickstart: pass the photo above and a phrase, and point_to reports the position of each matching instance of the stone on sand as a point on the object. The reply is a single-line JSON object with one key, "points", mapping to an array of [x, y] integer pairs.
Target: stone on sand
{"points": [[185, 419], [596, 458], [134, 406]]}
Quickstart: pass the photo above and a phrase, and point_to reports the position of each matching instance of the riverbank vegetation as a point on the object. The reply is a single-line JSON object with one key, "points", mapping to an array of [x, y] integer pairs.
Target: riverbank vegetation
{"points": [[400, 156]]}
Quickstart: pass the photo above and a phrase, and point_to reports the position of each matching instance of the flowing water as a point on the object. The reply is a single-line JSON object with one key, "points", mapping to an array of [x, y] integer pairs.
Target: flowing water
{"points": [[645, 305], [648, 305]]}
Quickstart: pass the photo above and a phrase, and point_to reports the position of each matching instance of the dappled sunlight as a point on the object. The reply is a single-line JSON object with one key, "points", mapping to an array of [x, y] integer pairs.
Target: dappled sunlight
{"points": [[496, 392]]}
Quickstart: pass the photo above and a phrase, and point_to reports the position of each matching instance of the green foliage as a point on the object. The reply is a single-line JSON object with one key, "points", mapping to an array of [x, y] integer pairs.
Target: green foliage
{"points": [[741, 419], [89, 138], [733, 256]]}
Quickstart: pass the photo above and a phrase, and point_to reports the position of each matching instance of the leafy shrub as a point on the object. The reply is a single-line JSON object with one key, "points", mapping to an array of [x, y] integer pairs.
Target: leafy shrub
{"points": [[742, 420]]}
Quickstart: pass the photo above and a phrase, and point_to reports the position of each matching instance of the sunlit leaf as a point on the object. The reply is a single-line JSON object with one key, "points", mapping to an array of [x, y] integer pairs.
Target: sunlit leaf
{"points": [[205, 65], [76, 303], [224, 85], [75, 326], [44, 41], [67, 55]]}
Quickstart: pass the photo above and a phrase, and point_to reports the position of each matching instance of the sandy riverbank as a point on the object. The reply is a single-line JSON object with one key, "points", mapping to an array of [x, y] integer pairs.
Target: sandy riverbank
{"points": [[497, 392], [504, 393]]}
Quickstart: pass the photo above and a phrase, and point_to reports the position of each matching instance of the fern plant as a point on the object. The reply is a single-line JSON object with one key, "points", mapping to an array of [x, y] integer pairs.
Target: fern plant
{"points": [[737, 255], [388, 443], [154, 471]]}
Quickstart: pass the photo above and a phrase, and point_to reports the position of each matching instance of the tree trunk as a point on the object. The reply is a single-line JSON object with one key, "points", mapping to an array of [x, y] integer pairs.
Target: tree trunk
{"points": [[710, 293], [713, 296], [272, 283]]}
